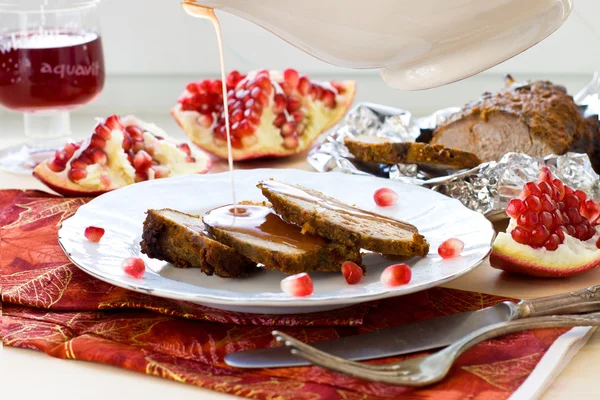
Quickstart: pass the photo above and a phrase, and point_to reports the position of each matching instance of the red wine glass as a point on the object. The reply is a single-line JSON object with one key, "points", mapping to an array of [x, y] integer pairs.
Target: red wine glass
{"points": [[51, 62]]}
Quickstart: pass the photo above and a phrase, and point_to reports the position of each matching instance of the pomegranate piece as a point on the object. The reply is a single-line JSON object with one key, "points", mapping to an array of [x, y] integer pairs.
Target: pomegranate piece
{"points": [[396, 275], [288, 97], [352, 272], [385, 197], [134, 267], [451, 248], [94, 233], [138, 145], [299, 285]]}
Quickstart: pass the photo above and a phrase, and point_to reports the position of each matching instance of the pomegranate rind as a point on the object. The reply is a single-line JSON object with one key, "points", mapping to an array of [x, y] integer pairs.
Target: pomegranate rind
{"points": [[203, 137], [59, 182], [510, 256]]}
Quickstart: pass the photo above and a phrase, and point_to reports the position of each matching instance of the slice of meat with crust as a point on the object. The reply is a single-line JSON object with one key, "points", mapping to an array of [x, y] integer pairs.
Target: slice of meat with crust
{"points": [[182, 240], [536, 118], [261, 235], [383, 151], [330, 218]]}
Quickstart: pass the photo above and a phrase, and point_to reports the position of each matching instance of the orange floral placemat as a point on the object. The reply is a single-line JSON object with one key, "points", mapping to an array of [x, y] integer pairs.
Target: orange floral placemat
{"points": [[52, 306]]}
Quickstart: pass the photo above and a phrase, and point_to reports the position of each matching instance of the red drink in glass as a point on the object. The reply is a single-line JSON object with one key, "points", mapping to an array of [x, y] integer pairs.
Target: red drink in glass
{"points": [[50, 69]]}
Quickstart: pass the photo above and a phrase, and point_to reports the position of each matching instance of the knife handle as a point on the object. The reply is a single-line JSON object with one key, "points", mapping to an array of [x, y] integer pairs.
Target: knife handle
{"points": [[581, 301]]}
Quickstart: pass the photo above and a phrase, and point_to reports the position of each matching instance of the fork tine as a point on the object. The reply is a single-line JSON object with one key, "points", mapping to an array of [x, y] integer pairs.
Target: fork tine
{"points": [[334, 363]]}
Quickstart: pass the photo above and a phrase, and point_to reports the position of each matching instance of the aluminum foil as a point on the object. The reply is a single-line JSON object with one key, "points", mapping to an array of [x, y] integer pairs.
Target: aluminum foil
{"points": [[486, 188]]}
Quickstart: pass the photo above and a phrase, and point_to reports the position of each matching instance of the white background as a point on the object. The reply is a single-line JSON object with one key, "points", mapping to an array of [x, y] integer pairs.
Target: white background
{"points": [[153, 48]]}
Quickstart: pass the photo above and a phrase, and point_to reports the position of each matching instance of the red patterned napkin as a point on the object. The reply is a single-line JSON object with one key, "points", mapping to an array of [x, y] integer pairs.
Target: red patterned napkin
{"points": [[52, 306]]}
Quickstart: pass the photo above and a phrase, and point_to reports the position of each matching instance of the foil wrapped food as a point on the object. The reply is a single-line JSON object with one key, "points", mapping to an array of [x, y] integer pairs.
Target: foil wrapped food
{"points": [[486, 188]]}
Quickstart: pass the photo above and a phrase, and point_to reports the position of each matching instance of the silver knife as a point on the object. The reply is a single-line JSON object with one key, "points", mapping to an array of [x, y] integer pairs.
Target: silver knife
{"points": [[423, 335]]}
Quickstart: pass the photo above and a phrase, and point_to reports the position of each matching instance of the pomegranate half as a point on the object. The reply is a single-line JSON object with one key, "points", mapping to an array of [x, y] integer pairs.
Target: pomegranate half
{"points": [[552, 232], [117, 154], [271, 114]]}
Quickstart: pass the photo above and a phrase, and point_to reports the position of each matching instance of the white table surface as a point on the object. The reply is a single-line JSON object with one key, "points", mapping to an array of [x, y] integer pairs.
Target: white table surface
{"points": [[34, 375]]}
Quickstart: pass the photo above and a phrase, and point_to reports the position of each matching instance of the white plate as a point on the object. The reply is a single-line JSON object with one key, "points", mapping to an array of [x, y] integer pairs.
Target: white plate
{"points": [[121, 214]]}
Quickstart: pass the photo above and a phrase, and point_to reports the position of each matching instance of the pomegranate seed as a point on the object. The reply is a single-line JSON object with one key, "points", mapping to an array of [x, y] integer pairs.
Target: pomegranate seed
{"points": [[385, 197], [557, 183], [290, 142], [303, 86], [192, 88], [136, 133], [561, 232], [581, 195], [598, 243], [263, 73], [531, 188], [113, 123], [352, 272], [557, 219], [515, 208], [103, 131], [134, 267], [573, 215], [190, 159], [76, 174], [328, 99], [287, 89], [520, 235], [571, 230], [161, 171], [581, 232], [546, 219], [263, 99], [545, 188], [539, 235], [217, 86], [316, 92], [291, 77], [298, 116], [93, 233], [568, 191], [185, 148], [70, 149], [528, 220], [299, 285], [451, 248], [293, 104], [279, 103], [533, 203], [553, 242], [127, 142], [142, 161], [339, 86], [78, 164], [396, 275], [288, 129], [61, 157], [232, 79], [265, 84], [545, 175], [547, 203], [572, 201], [141, 176], [205, 120], [590, 210], [99, 157], [254, 93], [279, 120], [56, 167]]}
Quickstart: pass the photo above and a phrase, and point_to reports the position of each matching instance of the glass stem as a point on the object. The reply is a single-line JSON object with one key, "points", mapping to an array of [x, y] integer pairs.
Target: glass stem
{"points": [[47, 129]]}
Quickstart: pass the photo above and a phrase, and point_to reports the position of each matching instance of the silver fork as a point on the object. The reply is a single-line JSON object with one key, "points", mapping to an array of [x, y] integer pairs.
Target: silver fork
{"points": [[423, 371]]}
